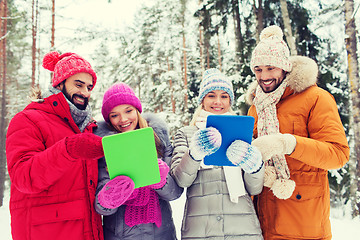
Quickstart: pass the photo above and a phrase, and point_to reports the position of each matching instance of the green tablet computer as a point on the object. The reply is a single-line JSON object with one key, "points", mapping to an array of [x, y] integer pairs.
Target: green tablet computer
{"points": [[132, 154]]}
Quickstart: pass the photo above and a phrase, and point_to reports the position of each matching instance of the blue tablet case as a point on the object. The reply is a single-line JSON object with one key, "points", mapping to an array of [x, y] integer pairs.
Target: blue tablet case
{"points": [[132, 154], [231, 127]]}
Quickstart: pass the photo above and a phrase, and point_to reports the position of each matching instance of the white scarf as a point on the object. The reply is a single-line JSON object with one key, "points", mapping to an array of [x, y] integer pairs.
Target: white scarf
{"points": [[268, 123], [233, 174], [277, 173]]}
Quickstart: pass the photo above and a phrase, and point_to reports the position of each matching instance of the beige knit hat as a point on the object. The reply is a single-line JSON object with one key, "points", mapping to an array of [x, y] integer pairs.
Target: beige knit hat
{"points": [[271, 50]]}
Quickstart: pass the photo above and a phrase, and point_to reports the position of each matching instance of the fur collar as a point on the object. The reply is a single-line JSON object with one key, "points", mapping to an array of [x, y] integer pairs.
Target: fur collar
{"points": [[304, 74], [159, 126]]}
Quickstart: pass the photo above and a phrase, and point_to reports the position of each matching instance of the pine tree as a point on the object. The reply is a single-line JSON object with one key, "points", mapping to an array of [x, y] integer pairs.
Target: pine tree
{"points": [[353, 75], [13, 82]]}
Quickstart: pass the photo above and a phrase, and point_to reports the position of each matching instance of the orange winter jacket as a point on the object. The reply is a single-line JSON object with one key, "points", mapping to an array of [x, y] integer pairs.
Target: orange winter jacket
{"points": [[311, 115]]}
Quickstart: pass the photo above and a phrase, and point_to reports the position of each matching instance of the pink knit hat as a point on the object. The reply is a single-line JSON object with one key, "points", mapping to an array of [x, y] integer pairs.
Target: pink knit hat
{"points": [[118, 94], [66, 65], [271, 50]]}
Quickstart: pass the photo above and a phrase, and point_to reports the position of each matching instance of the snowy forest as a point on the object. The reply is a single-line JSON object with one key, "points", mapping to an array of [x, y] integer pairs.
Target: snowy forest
{"points": [[164, 52]]}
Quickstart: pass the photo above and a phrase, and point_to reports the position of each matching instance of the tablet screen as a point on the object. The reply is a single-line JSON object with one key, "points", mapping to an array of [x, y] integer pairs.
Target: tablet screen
{"points": [[231, 127], [132, 154]]}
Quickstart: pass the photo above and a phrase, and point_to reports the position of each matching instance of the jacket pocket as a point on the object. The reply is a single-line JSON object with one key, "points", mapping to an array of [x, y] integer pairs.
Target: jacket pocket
{"points": [[302, 215], [58, 221]]}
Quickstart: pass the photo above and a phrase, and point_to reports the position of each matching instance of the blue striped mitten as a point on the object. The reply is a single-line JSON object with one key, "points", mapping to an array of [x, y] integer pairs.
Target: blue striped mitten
{"points": [[204, 142], [244, 155]]}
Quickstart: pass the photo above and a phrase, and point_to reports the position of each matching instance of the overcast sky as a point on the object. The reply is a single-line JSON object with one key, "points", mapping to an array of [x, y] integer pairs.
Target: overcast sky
{"points": [[114, 14]]}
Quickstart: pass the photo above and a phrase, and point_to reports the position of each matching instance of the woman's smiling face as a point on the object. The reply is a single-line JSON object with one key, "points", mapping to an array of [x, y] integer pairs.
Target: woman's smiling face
{"points": [[124, 118], [217, 102]]}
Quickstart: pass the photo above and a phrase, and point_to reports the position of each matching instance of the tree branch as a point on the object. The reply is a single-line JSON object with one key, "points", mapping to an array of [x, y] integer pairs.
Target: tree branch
{"points": [[3, 37]]}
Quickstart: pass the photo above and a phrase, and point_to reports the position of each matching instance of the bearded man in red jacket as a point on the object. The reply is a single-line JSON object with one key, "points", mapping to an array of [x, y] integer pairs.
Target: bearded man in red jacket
{"points": [[52, 157]]}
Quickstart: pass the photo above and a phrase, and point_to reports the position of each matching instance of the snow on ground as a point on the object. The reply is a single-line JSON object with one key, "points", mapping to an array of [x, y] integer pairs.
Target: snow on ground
{"points": [[342, 227]]}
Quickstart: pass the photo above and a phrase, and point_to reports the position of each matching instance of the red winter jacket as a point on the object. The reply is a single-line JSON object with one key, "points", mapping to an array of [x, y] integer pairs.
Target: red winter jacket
{"points": [[52, 194]]}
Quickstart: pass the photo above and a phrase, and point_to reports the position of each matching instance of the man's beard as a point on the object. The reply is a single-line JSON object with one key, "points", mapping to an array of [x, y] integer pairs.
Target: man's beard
{"points": [[278, 83], [71, 99]]}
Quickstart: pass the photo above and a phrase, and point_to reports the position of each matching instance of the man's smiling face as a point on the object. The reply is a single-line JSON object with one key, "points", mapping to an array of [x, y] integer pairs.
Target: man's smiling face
{"points": [[269, 77], [77, 89]]}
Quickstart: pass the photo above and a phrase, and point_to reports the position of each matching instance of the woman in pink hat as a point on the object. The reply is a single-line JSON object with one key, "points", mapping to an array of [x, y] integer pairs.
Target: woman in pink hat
{"points": [[143, 213]]}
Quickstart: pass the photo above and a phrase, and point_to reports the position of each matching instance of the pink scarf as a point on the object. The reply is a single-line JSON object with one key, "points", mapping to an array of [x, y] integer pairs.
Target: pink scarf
{"points": [[143, 207]]}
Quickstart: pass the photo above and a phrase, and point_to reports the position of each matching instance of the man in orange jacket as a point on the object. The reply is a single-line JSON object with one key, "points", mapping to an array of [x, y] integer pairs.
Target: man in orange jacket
{"points": [[300, 135]]}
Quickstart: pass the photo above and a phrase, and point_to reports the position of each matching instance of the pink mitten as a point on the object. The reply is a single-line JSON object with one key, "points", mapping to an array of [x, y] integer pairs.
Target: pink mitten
{"points": [[116, 192], [164, 169]]}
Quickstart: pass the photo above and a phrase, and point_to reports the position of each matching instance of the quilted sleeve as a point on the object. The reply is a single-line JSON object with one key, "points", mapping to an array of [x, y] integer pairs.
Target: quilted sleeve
{"points": [[183, 168], [32, 167]]}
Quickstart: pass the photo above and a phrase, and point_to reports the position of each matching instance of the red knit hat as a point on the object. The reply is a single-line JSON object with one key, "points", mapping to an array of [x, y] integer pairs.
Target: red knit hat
{"points": [[66, 65], [119, 94]]}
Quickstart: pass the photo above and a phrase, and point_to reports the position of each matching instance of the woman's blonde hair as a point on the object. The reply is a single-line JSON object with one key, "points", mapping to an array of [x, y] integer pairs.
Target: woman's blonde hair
{"points": [[196, 114], [143, 124]]}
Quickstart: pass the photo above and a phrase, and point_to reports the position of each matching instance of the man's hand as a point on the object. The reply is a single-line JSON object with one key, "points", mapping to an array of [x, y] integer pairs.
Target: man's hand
{"points": [[84, 145], [275, 144]]}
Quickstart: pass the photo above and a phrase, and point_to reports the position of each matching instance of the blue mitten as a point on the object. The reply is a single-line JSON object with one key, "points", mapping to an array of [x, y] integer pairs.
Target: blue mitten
{"points": [[204, 142], [244, 155]]}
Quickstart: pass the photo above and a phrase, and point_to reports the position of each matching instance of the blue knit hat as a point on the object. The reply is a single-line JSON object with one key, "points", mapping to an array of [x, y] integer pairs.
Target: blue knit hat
{"points": [[213, 79]]}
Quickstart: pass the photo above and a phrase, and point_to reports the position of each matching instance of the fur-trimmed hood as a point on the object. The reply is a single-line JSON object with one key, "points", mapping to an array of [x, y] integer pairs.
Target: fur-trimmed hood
{"points": [[36, 95], [159, 126], [304, 74]]}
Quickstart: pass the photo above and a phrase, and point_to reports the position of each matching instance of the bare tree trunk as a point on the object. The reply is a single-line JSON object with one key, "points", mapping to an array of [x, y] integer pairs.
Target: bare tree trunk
{"points": [[288, 31], [219, 52], [33, 49], [259, 12], [3, 123], [184, 60], [201, 45], [185, 73], [353, 74], [205, 21], [34, 19], [201, 49], [239, 56], [53, 25], [52, 31], [171, 88], [207, 46]]}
